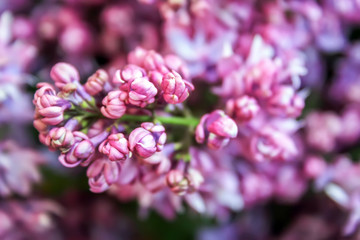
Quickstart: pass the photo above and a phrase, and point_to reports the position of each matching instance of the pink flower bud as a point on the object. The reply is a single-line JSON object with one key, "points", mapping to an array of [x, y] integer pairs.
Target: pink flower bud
{"points": [[96, 82], [80, 151], [154, 61], [216, 129], [141, 92], [147, 139], [175, 63], [243, 109], [60, 138], [137, 56], [49, 107], [43, 89], [64, 73], [102, 173], [176, 90], [285, 102], [114, 106], [156, 78], [177, 182], [129, 72], [115, 147]]}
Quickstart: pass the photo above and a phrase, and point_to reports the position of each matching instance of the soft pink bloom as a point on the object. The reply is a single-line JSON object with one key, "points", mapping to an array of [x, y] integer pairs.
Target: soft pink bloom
{"points": [[96, 82], [314, 166], [64, 73], [116, 147], [76, 39], [175, 89], [285, 102], [216, 129], [256, 187], [242, 109], [260, 77], [114, 105], [271, 144], [289, 184], [102, 173], [147, 139], [322, 130]]}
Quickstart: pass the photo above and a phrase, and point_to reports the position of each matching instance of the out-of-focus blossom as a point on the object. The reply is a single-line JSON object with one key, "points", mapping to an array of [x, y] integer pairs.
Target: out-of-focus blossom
{"points": [[29, 219], [102, 173], [19, 169], [269, 144], [242, 109]]}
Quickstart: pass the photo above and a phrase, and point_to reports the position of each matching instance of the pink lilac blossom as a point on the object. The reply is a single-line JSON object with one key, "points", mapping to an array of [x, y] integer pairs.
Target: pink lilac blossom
{"points": [[134, 122], [29, 219]]}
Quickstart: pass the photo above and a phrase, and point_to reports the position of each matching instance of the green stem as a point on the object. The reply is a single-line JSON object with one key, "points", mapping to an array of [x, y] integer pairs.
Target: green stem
{"points": [[185, 121]]}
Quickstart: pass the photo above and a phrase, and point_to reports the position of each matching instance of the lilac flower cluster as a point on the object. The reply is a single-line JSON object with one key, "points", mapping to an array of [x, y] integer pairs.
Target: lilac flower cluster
{"points": [[85, 121], [191, 101]]}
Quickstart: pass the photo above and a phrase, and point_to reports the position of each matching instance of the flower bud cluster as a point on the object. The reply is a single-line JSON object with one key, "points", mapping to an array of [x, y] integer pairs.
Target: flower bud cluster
{"points": [[84, 121]]}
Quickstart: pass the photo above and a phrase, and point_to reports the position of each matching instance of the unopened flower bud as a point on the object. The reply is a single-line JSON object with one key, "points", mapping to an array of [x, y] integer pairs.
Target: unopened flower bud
{"points": [[154, 61], [114, 106], [176, 90], [175, 63], [216, 129], [147, 139], [49, 107], [242, 109], [137, 56], [64, 73], [80, 151], [115, 147], [141, 92], [129, 72], [96, 82], [60, 138]]}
